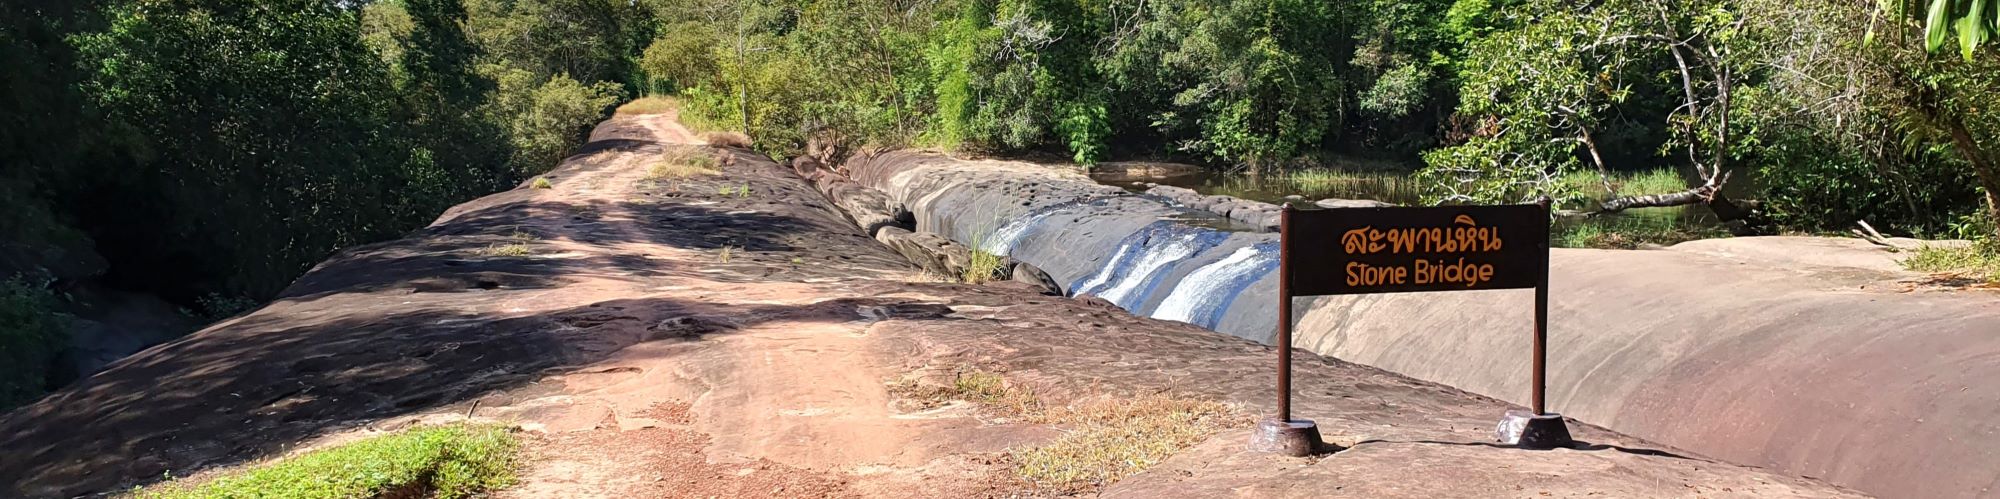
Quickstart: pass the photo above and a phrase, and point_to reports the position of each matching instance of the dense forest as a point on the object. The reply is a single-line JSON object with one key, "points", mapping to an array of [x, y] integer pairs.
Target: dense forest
{"points": [[210, 151], [1845, 110]]}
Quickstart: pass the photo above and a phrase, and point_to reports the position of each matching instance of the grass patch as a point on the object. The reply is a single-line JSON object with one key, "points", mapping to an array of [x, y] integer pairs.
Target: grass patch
{"points": [[725, 254], [1112, 438], [511, 249], [1978, 261], [726, 139], [1322, 183], [928, 277], [1639, 183], [439, 461], [1630, 231], [651, 104], [1107, 438], [983, 268], [972, 385], [683, 164], [542, 183]]}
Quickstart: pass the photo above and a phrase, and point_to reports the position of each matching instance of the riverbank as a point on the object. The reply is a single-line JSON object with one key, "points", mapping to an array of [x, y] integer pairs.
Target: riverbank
{"points": [[660, 334]]}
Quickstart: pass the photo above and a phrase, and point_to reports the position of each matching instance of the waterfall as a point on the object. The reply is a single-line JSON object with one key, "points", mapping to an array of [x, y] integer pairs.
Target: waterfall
{"points": [[1151, 252], [1202, 296], [1007, 236]]}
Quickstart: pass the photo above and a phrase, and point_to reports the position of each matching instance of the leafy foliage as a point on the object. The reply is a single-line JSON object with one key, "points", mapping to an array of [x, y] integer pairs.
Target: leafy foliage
{"points": [[197, 148], [31, 335]]}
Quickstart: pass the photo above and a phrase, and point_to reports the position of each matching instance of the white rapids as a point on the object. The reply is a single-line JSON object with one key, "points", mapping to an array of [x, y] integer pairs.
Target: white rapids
{"points": [[1181, 247], [1201, 292], [1003, 240]]}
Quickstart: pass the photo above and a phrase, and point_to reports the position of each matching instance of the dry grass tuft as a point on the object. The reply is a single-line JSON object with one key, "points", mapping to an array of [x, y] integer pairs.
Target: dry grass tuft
{"points": [[651, 104], [726, 139], [929, 277], [516, 249], [1107, 438], [541, 183], [1115, 437], [682, 163]]}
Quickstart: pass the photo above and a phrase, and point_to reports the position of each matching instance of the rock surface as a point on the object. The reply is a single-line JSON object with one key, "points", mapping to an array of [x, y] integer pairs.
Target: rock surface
{"points": [[656, 339], [1023, 272], [1789, 353], [929, 251]]}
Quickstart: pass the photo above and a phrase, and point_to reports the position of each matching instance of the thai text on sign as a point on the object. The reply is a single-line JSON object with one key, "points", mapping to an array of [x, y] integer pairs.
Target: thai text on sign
{"points": [[1393, 250]]}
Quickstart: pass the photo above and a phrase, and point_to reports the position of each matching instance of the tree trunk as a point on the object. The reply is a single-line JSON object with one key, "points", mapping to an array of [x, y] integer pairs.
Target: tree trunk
{"points": [[1982, 166], [1724, 208], [1696, 195]]}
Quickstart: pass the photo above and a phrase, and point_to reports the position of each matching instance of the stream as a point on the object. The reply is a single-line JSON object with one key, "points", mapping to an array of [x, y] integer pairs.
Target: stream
{"points": [[1400, 187]]}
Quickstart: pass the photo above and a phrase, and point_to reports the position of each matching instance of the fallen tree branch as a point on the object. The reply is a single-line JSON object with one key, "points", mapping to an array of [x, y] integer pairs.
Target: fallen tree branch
{"points": [[1868, 233]]}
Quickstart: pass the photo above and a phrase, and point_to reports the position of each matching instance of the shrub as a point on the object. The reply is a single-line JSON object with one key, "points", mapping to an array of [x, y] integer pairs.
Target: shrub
{"points": [[682, 57], [1809, 184], [451, 461], [547, 119], [31, 335]]}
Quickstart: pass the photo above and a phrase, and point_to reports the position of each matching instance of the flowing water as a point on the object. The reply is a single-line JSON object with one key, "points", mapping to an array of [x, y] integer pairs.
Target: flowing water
{"points": [[1151, 252], [1202, 296], [1662, 225]]}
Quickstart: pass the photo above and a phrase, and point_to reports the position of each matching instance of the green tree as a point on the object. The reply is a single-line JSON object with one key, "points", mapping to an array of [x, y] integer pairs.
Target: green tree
{"points": [[278, 104], [1952, 101]]}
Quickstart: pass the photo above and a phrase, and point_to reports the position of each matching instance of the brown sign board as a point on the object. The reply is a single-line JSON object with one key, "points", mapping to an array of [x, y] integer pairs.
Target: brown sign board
{"points": [[1401, 250], [1412, 249]]}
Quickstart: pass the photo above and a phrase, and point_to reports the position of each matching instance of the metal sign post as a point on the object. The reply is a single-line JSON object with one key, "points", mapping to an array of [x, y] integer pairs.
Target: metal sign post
{"points": [[1407, 250]]}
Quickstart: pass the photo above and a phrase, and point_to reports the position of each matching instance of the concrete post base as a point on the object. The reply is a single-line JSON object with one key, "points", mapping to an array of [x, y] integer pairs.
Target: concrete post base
{"points": [[1298, 437], [1528, 430]]}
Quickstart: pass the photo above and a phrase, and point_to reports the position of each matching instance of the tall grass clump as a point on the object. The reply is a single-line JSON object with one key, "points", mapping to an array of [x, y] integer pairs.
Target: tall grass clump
{"points": [[1320, 183], [452, 461], [1639, 183], [985, 265]]}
